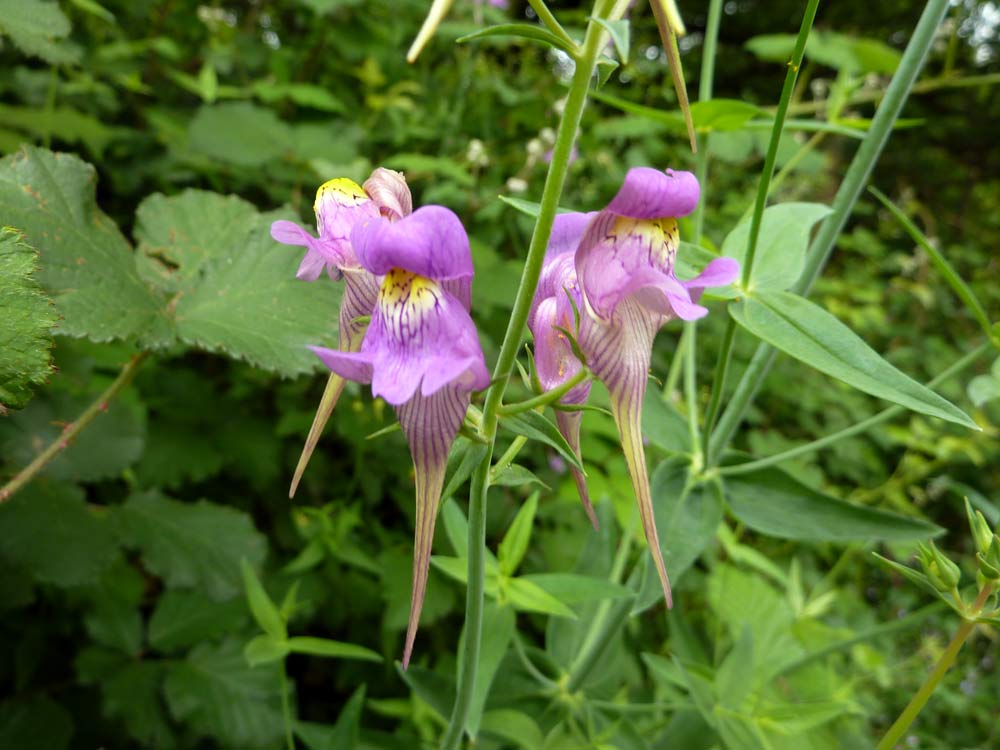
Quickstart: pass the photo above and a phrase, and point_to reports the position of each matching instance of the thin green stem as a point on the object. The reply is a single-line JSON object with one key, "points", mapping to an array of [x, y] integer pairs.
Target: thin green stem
{"points": [[763, 189], [549, 397], [958, 285], [843, 204], [550, 22], [286, 708], [923, 694], [569, 125], [508, 457], [73, 429], [883, 416], [691, 394], [676, 365], [529, 665], [706, 82]]}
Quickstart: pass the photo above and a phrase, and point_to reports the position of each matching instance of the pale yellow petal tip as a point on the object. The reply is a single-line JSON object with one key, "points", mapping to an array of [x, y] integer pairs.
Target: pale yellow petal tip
{"points": [[342, 190]]}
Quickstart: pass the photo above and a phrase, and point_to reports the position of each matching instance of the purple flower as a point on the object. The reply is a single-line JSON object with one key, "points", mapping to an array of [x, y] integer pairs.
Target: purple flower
{"points": [[618, 267], [340, 205], [625, 267], [551, 309], [420, 353]]}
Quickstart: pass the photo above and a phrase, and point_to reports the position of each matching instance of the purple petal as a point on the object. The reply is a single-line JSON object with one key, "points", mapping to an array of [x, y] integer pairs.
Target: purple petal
{"points": [[567, 229], [340, 205], [554, 359], [430, 425], [312, 266], [431, 242], [360, 296], [719, 272], [648, 193], [389, 191], [317, 255], [356, 366]]}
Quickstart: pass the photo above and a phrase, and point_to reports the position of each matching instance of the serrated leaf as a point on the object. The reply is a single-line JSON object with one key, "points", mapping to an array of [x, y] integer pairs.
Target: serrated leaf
{"points": [[515, 542], [330, 648], [86, 264], [249, 305], [38, 29], [191, 545], [185, 618], [781, 244], [533, 425], [773, 503], [47, 529], [218, 695], [28, 318], [532, 32], [809, 333], [239, 133]]}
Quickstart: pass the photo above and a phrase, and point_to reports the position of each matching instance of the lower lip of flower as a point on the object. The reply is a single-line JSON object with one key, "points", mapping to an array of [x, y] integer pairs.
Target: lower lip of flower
{"points": [[659, 236]]}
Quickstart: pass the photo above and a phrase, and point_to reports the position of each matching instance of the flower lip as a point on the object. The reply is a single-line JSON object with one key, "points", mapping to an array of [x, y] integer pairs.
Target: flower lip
{"points": [[648, 193], [429, 242]]}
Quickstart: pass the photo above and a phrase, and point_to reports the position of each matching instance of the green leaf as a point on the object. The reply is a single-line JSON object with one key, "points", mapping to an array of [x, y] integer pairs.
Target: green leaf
{"points": [[191, 544], [498, 630], [773, 503], [46, 528], [839, 51], [185, 618], [239, 133], [28, 318], [88, 269], [515, 726], [264, 649], [712, 115], [663, 425], [464, 458], [572, 588], [217, 694], [249, 305], [781, 244], [35, 723], [63, 123], [533, 425], [520, 30], [528, 208], [686, 519], [735, 678], [515, 542], [620, 33], [332, 649], [434, 689], [134, 696], [915, 577], [515, 475], [433, 166], [263, 609], [344, 735], [38, 29], [812, 335], [530, 597], [985, 388], [303, 94]]}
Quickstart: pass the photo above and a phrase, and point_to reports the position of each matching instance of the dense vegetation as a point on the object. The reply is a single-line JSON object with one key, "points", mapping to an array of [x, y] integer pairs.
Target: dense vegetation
{"points": [[159, 588]]}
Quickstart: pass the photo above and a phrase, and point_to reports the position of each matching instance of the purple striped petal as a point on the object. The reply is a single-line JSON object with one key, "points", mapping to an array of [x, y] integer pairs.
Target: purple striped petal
{"points": [[356, 366], [340, 205], [389, 191], [648, 193], [317, 256], [618, 352], [567, 229], [430, 425], [429, 242]]}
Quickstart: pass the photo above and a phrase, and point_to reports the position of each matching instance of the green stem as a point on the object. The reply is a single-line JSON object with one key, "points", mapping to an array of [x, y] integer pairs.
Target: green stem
{"points": [[913, 708], [576, 100], [843, 204], [763, 188], [73, 428], [546, 17], [676, 364], [883, 416], [286, 708], [705, 83], [549, 397], [508, 457], [691, 393]]}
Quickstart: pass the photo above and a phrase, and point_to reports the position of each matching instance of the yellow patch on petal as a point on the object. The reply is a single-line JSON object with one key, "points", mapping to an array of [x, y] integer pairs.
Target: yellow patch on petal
{"points": [[661, 236], [341, 190], [404, 300]]}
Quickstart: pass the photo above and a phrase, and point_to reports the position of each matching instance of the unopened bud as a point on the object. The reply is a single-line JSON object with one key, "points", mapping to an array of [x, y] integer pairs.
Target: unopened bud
{"points": [[942, 572], [981, 531], [989, 561]]}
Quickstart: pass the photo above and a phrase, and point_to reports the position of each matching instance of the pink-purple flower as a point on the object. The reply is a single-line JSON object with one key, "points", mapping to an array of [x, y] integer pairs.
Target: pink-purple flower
{"points": [[340, 205], [623, 278], [421, 352]]}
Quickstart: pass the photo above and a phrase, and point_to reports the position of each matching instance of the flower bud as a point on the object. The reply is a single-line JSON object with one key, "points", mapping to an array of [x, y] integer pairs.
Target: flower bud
{"points": [[989, 560], [943, 574], [981, 531]]}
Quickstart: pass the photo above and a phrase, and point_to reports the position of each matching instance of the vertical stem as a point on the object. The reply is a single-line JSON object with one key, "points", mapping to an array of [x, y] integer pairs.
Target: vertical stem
{"points": [[286, 709], [691, 393], [73, 429], [705, 84], [843, 204], [568, 126], [763, 188], [925, 691]]}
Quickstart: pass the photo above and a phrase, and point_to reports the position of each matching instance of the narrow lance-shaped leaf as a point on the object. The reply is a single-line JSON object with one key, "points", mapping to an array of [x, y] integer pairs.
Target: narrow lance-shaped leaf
{"points": [[807, 332], [515, 541]]}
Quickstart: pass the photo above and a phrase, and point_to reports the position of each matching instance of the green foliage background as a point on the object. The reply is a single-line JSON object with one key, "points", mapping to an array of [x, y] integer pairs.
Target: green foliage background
{"points": [[184, 129]]}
